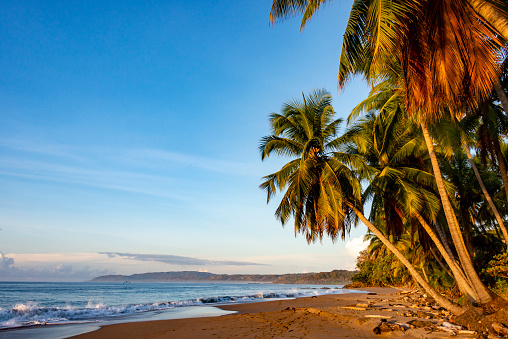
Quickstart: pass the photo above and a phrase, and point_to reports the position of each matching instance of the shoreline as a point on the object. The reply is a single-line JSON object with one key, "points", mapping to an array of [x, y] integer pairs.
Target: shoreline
{"points": [[327, 316], [201, 307]]}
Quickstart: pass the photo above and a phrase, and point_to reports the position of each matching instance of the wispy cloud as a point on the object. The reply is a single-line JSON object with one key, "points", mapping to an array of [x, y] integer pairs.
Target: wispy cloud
{"points": [[160, 157], [178, 260], [145, 157], [140, 170], [118, 180]]}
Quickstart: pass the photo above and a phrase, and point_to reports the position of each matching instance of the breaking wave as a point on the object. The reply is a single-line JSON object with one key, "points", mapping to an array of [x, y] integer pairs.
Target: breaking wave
{"points": [[31, 314]]}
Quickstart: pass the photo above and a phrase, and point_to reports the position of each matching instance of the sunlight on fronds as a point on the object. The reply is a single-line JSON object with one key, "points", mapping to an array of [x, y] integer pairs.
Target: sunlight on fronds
{"points": [[282, 9]]}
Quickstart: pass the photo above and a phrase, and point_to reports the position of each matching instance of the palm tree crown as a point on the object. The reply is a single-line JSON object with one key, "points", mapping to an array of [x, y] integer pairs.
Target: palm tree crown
{"points": [[315, 182]]}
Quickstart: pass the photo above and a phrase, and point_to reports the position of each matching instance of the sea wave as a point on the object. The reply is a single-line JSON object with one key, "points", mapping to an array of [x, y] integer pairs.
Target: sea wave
{"points": [[31, 314]]}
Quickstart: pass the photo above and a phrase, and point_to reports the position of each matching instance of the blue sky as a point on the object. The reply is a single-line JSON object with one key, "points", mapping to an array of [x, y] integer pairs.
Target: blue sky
{"points": [[129, 133]]}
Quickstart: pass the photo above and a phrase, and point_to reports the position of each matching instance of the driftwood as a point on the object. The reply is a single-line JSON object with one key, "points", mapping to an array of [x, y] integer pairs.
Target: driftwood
{"points": [[377, 316], [500, 329]]}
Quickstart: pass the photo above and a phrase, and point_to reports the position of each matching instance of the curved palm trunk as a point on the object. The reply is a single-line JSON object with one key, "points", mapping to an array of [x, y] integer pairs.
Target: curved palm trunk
{"points": [[440, 262], [502, 165], [444, 240], [459, 276], [499, 220], [464, 257], [454, 308], [425, 274]]}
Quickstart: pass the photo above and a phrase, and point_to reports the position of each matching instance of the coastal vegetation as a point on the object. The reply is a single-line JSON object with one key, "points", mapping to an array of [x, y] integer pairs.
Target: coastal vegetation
{"points": [[422, 160]]}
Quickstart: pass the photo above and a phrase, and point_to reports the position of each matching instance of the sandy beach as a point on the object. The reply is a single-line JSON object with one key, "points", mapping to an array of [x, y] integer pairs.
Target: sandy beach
{"points": [[401, 314]]}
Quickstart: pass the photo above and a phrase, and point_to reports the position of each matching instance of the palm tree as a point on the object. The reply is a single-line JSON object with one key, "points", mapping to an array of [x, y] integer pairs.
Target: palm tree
{"points": [[493, 124], [441, 63], [321, 193], [307, 132], [445, 62], [401, 189], [449, 57], [454, 135]]}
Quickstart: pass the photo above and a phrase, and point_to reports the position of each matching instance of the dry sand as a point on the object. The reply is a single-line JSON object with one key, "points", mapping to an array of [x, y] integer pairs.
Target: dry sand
{"points": [[330, 316]]}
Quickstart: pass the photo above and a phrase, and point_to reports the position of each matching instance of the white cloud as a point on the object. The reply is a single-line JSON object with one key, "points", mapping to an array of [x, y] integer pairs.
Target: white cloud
{"points": [[39, 270], [355, 246], [5, 263]]}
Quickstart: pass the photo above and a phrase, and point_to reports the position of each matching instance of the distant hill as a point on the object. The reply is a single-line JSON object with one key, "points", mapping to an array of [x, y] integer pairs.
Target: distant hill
{"points": [[335, 277]]}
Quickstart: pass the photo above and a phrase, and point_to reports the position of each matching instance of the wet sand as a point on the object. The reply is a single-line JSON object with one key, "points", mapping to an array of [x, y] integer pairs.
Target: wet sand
{"points": [[351, 315]]}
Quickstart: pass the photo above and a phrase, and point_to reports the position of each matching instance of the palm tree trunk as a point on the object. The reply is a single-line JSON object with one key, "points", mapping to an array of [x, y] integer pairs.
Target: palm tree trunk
{"points": [[425, 274], [440, 262], [499, 220], [454, 308], [460, 278], [464, 257], [502, 164], [444, 240]]}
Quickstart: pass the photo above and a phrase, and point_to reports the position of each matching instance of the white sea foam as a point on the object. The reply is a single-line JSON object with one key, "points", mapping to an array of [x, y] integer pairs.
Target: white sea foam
{"points": [[30, 313]]}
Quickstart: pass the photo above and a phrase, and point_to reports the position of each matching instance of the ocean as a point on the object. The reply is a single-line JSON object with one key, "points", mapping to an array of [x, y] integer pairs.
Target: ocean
{"points": [[32, 304]]}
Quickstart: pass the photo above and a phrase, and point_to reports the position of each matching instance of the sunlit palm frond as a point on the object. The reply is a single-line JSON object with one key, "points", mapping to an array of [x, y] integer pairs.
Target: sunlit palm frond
{"points": [[281, 147], [282, 9]]}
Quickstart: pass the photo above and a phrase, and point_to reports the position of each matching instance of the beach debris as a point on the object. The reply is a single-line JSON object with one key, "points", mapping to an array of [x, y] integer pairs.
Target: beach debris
{"points": [[447, 330], [363, 305], [404, 292], [500, 329], [385, 326], [397, 305], [453, 329], [404, 326], [354, 308], [408, 314], [421, 323], [371, 293], [377, 316], [466, 332], [424, 315], [451, 326]]}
